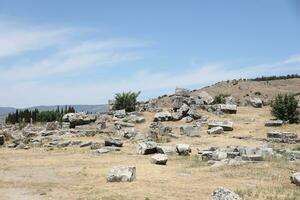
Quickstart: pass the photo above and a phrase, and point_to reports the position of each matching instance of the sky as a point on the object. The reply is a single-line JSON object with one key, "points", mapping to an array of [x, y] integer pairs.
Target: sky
{"points": [[56, 52]]}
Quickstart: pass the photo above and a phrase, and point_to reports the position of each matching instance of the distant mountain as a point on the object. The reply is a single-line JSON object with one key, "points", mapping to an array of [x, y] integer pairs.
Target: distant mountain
{"points": [[79, 108]]}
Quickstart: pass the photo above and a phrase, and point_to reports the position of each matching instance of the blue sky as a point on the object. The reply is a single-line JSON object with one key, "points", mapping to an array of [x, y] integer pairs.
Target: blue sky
{"points": [[83, 52]]}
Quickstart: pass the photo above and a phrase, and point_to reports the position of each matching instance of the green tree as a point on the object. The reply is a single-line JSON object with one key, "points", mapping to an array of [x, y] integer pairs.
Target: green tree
{"points": [[284, 107], [220, 99], [126, 100]]}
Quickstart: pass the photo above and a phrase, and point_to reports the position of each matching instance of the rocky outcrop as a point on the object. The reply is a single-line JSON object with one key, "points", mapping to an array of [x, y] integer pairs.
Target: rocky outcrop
{"points": [[205, 98], [224, 194], [120, 113], [255, 102], [51, 126], [182, 92], [281, 137], [122, 174]]}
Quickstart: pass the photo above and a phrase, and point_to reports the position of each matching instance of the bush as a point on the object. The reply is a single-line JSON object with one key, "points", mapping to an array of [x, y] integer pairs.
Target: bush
{"points": [[284, 107], [220, 99], [126, 100]]}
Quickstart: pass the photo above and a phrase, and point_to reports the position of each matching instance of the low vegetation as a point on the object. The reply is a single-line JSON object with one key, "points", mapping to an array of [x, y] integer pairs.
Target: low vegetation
{"points": [[126, 100], [220, 99], [284, 107]]}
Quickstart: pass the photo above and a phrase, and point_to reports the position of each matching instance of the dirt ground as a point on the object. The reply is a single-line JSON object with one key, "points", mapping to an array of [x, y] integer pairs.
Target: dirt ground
{"points": [[79, 174]]}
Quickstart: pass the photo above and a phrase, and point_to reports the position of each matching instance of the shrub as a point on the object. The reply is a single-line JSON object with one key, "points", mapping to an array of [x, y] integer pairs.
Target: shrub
{"points": [[220, 99], [126, 100], [284, 107]]}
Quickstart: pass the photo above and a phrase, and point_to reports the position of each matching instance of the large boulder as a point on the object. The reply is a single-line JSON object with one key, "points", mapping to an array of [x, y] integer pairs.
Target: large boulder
{"points": [[295, 178], [77, 119], [162, 116], [230, 100], [148, 147], [183, 149], [159, 159], [256, 102], [205, 98], [224, 194], [226, 125], [228, 108], [274, 123], [177, 102], [195, 114], [122, 174], [182, 92]]}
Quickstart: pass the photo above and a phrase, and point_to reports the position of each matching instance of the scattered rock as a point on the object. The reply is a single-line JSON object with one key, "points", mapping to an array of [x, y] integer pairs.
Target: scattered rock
{"points": [[159, 159], [183, 149], [295, 178], [166, 150], [77, 119], [122, 174], [191, 131], [281, 134], [205, 98], [148, 147], [274, 123], [215, 130], [252, 157], [228, 108], [226, 125], [86, 144], [224, 194], [111, 142], [256, 102]]}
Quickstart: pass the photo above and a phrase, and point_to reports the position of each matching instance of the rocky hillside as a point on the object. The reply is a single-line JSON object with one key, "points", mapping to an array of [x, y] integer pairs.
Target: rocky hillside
{"points": [[244, 89]]}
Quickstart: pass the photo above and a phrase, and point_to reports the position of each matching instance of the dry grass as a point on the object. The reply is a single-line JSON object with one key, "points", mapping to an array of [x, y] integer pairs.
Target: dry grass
{"points": [[77, 173]]}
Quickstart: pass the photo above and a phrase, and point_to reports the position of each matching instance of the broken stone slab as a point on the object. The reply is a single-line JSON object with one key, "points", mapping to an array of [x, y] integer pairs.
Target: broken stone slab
{"points": [[224, 194], [219, 155], [102, 151], [96, 145], [159, 159], [187, 119], [253, 157], [281, 134], [274, 123], [226, 125], [228, 108], [191, 131], [122, 174], [112, 142], [195, 114], [169, 150], [230, 100], [183, 149], [295, 178], [162, 116], [207, 155], [182, 92], [148, 147], [216, 130]]}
